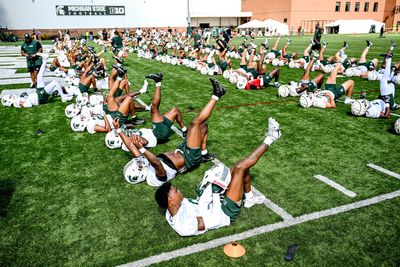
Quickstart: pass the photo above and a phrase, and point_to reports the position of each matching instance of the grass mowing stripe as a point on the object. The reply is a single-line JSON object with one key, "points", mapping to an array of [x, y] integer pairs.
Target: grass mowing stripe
{"points": [[335, 185], [272, 206], [262, 230], [380, 169]]}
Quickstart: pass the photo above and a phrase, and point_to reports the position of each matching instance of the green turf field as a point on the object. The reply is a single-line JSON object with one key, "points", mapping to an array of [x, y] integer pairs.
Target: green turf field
{"points": [[63, 200]]}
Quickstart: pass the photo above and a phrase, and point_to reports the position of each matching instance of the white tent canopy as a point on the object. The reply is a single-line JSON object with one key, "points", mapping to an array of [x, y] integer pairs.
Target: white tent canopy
{"points": [[281, 28], [272, 25], [252, 24], [353, 26]]}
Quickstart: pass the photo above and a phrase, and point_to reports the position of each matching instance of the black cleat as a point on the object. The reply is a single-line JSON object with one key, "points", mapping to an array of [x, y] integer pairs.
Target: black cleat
{"points": [[386, 55], [118, 60], [33, 85], [345, 45], [218, 89], [266, 47], [137, 121], [208, 157], [393, 44], [156, 77], [369, 43]]}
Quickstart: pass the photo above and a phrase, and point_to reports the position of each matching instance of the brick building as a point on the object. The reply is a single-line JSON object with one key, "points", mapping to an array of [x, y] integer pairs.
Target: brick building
{"points": [[308, 13]]}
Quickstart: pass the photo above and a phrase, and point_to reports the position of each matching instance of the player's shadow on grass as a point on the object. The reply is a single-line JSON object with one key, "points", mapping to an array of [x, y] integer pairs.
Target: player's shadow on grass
{"points": [[7, 188]]}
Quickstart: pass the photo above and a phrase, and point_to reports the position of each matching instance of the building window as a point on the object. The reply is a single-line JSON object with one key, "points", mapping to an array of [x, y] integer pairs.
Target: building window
{"points": [[376, 7], [366, 7], [337, 7], [357, 7], [347, 7], [285, 20]]}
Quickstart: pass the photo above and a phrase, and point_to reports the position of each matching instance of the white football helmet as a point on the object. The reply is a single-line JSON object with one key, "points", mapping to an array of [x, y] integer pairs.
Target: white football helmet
{"points": [[306, 101], [275, 62], [292, 64], [241, 83], [396, 79], [372, 75], [8, 100], [210, 71], [359, 107], [283, 91], [135, 171], [113, 141], [204, 70], [78, 123], [226, 74], [349, 72], [396, 126], [72, 110], [219, 175], [82, 99], [96, 99], [328, 68], [292, 91], [234, 78]]}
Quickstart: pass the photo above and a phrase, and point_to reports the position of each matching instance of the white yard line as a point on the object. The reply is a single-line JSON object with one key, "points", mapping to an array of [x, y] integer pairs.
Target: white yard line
{"points": [[272, 206], [261, 230], [380, 169], [335, 185]]}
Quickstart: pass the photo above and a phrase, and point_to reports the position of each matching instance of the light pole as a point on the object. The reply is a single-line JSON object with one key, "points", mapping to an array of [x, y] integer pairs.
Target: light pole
{"points": [[188, 31]]}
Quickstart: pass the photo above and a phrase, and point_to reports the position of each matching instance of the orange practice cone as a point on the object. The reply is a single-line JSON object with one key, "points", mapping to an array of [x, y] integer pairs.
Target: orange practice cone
{"points": [[234, 250]]}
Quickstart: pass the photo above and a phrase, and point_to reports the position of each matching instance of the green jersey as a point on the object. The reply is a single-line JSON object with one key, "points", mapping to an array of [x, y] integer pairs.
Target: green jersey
{"points": [[31, 49]]}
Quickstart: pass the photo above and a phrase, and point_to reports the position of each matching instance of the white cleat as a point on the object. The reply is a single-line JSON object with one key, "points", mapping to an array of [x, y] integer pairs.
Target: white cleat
{"points": [[273, 129], [248, 203]]}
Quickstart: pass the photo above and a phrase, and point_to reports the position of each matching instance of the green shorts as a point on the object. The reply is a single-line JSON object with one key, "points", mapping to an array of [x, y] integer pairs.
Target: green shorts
{"points": [[230, 208], [243, 67], [346, 64], [307, 58], [118, 92], [83, 88], [253, 72], [42, 95], [267, 79], [122, 118], [276, 52], [337, 90], [223, 65], [210, 65], [312, 86], [192, 156], [161, 130], [52, 68], [325, 62], [369, 65]]}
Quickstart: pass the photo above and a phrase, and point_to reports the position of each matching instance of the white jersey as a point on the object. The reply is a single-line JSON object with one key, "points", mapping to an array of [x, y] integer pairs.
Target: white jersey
{"points": [[152, 178], [185, 223], [375, 108], [96, 120], [148, 135], [27, 102], [320, 100]]}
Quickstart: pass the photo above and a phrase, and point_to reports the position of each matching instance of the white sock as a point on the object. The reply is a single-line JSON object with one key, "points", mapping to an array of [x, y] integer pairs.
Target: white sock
{"points": [[184, 129], [119, 78], [248, 195], [268, 141], [204, 152], [215, 97], [158, 84]]}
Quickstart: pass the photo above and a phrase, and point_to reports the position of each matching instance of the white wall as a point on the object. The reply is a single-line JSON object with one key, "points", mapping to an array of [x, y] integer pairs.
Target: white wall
{"points": [[41, 14]]}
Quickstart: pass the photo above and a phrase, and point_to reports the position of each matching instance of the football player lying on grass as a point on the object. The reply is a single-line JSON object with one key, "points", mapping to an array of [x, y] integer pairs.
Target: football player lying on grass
{"points": [[159, 169], [42, 93], [220, 194], [306, 83], [387, 88], [327, 97], [378, 108], [161, 124]]}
